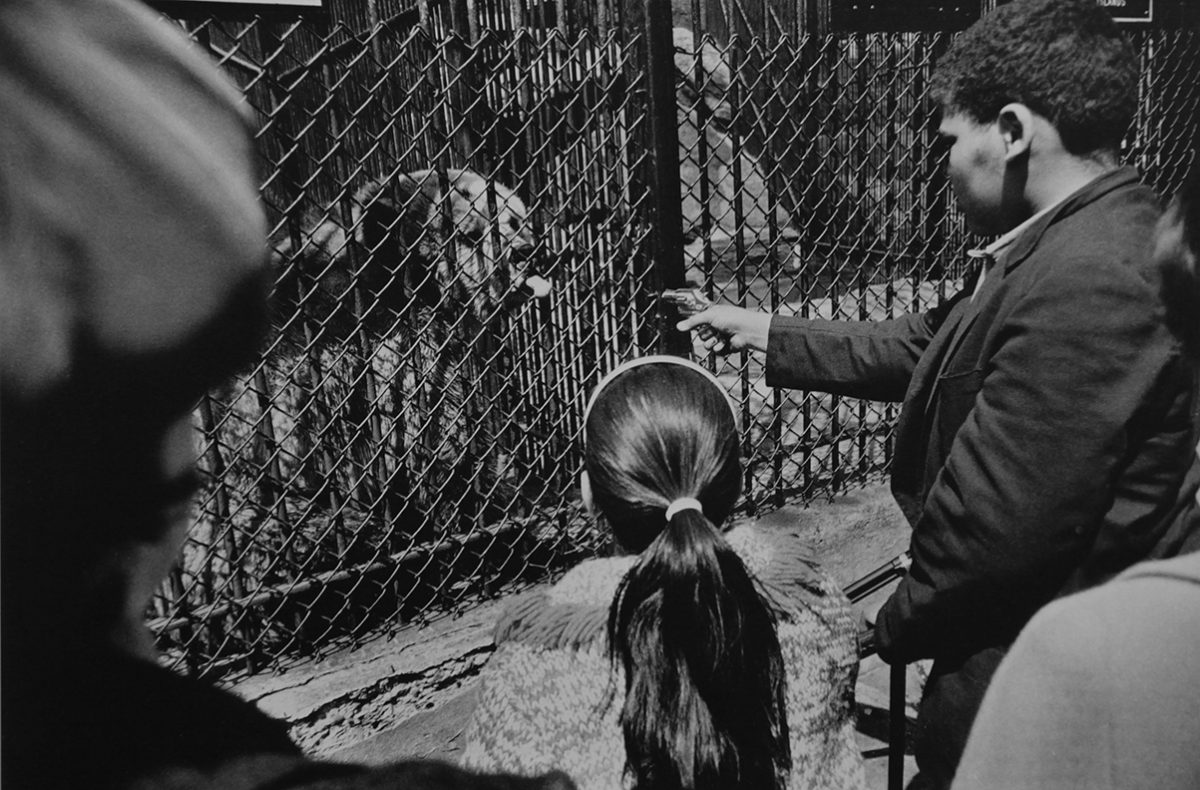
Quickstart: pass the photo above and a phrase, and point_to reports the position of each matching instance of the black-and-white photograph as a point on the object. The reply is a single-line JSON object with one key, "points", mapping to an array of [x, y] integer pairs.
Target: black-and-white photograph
{"points": [[600, 394]]}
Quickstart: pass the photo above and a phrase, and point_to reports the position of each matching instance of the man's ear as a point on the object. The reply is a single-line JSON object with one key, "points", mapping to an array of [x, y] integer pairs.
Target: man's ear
{"points": [[1016, 128], [585, 492]]}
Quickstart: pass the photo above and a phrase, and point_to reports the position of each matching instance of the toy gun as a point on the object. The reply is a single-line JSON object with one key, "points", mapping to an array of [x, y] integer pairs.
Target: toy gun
{"points": [[876, 580], [527, 288], [689, 301], [534, 287], [880, 577]]}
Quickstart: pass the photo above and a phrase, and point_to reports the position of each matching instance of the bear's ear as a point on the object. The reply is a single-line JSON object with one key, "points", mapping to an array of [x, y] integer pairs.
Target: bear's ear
{"points": [[381, 204]]}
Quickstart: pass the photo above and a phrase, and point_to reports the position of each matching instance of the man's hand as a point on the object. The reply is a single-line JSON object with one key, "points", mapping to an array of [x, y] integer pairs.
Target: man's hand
{"points": [[741, 328], [867, 617]]}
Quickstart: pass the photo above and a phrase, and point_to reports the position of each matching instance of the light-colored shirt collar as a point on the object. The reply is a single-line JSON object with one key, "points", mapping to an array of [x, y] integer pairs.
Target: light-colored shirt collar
{"points": [[991, 252]]}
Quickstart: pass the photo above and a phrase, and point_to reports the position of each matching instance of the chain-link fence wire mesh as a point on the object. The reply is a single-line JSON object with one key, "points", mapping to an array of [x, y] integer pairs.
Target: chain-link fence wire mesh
{"points": [[814, 185], [409, 441], [814, 188]]}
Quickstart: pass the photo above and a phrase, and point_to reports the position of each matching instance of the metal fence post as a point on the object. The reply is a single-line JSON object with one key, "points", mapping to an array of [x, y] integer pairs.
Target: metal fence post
{"points": [[897, 724], [664, 133]]}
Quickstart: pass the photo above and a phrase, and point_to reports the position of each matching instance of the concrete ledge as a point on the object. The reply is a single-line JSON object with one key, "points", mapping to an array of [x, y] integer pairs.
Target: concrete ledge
{"points": [[350, 696]]}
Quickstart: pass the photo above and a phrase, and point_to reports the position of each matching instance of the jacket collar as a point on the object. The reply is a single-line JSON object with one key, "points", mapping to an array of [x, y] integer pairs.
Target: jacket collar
{"points": [[1030, 233], [993, 250]]}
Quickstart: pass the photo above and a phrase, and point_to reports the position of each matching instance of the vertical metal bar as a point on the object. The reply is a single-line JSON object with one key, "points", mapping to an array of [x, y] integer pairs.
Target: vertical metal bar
{"points": [[212, 630], [638, 242], [920, 181], [355, 474], [373, 464], [861, 437], [603, 19], [186, 634], [327, 466], [869, 44], [897, 725], [811, 62], [836, 472], [394, 136], [660, 72], [847, 177], [897, 148], [369, 472], [287, 141], [773, 435], [699, 38], [739, 246], [937, 208], [269, 484], [461, 91]]}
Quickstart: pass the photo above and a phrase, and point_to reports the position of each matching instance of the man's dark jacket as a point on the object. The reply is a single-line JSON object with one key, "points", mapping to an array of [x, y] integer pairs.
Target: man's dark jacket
{"points": [[1045, 430]]}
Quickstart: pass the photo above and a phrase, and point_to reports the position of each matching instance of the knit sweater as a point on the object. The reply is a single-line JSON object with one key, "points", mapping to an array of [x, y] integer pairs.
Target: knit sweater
{"points": [[550, 698]]}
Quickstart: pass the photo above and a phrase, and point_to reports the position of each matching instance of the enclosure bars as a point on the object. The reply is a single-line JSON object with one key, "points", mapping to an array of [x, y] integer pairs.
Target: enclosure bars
{"points": [[283, 571], [664, 134]]}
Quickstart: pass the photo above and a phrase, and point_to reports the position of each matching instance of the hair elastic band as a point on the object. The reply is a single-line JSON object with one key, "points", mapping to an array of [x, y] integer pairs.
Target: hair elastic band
{"points": [[683, 503]]}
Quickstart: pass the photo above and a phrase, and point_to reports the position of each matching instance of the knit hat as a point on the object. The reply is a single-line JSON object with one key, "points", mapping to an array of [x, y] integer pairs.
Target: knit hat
{"points": [[132, 276]]}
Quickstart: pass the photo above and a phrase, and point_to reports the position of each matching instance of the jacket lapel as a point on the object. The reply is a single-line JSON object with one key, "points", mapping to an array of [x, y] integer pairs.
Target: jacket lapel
{"points": [[991, 283], [908, 466], [1014, 255]]}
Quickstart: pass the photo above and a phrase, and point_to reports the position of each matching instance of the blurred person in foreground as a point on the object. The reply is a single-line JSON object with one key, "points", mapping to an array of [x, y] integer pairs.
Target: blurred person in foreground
{"points": [[1101, 690], [700, 656], [132, 278], [1045, 427]]}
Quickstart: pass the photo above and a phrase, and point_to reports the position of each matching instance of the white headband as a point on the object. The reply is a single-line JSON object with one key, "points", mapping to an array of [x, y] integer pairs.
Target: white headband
{"points": [[654, 359], [683, 503]]}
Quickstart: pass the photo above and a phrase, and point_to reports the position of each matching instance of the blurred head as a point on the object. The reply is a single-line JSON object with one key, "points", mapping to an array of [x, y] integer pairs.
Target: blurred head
{"points": [[657, 429], [1177, 245], [132, 278]]}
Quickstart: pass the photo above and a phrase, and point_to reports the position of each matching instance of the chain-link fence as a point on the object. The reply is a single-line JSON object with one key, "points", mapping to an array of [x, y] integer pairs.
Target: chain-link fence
{"points": [[409, 441]]}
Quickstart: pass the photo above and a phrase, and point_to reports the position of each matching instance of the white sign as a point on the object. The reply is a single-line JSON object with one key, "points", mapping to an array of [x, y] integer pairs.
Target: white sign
{"points": [[1129, 10], [279, 3]]}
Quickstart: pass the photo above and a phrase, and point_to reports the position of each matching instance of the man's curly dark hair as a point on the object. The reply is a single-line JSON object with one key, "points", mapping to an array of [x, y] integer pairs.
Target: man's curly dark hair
{"points": [[1065, 59]]}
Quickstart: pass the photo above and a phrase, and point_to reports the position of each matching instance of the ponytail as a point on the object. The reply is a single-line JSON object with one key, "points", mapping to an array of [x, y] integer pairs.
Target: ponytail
{"points": [[704, 680], [704, 677]]}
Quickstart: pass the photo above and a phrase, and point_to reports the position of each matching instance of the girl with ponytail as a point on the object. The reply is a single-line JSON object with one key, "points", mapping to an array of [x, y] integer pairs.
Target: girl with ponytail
{"points": [[697, 658]]}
